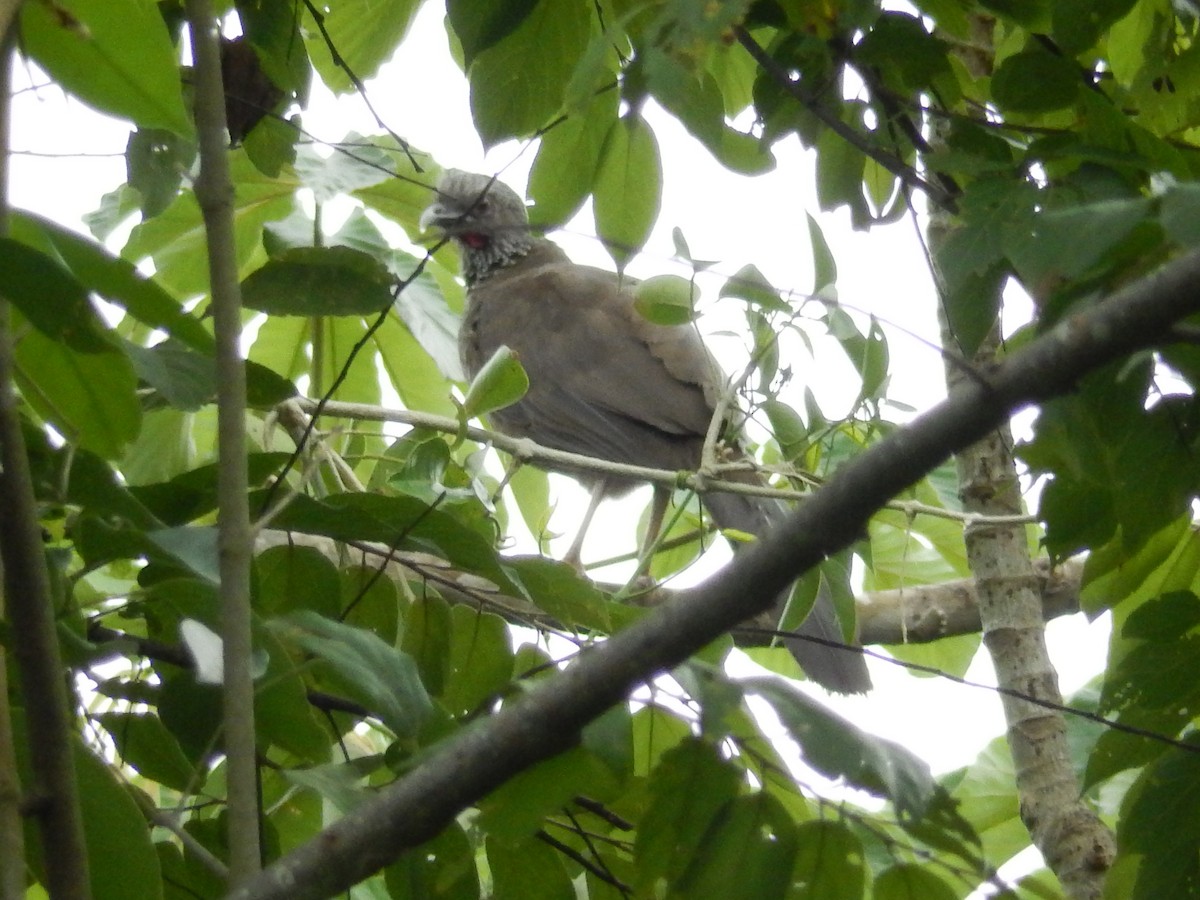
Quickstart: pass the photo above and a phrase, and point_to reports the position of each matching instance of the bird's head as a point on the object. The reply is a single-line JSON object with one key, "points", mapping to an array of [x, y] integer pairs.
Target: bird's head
{"points": [[477, 211]]}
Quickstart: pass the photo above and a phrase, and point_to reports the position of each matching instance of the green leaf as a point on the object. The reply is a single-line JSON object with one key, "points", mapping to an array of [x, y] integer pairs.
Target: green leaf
{"points": [[1156, 675], [1053, 248], [144, 743], [1079, 24], [748, 851], [481, 660], [751, 285], [1036, 81], [480, 27], [292, 578], [443, 867], [365, 33], [49, 296], [1178, 213], [567, 160], [379, 676], [1161, 824], [157, 160], [518, 83], [90, 398], [319, 281], [528, 870], [517, 809], [499, 383], [666, 299], [283, 715], [628, 188], [177, 241], [837, 749], [830, 860], [121, 860], [185, 379], [193, 546], [824, 265], [1116, 464], [911, 882], [422, 307], [839, 177], [362, 166], [678, 816], [560, 591], [118, 59], [115, 279]]}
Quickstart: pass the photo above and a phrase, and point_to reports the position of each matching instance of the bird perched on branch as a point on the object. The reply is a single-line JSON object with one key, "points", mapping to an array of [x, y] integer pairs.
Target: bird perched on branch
{"points": [[603, 380]]}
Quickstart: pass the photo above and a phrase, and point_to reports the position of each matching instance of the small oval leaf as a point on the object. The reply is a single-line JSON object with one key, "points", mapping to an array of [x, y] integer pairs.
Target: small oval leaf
{"points": [[666, 299], [501, 382]]}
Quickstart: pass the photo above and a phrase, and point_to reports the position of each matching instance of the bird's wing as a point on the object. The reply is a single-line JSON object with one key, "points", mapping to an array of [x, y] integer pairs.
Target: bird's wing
{"points": [[603, 380]]}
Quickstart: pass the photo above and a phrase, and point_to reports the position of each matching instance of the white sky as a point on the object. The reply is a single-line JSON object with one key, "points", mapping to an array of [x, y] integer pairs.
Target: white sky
{"points": [[422, 96]]}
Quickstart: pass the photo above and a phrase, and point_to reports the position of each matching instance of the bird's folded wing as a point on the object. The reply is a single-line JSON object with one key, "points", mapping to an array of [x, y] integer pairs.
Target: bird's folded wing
{"points": [[603, 380]]}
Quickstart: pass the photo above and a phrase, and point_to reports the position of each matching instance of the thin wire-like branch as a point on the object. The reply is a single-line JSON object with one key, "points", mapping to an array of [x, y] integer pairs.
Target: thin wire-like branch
{"points": [[530, 451], [547, 719], [214, 194], [889, 161], [340, 62]]}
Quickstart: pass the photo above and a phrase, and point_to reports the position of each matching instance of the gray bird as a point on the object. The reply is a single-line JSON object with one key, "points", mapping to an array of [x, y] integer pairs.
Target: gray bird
{"points": [[603, 380]]}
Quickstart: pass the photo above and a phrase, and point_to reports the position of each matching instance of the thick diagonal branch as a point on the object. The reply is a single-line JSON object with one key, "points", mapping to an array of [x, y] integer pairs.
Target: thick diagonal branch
{"points": [[546, 720]]}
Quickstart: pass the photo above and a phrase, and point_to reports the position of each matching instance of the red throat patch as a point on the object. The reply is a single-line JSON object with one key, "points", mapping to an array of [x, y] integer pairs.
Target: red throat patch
{"points": [[474, 240]]}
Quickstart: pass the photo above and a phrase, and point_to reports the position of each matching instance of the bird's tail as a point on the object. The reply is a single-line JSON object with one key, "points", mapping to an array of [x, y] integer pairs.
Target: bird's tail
{"points": [[832, 667]]}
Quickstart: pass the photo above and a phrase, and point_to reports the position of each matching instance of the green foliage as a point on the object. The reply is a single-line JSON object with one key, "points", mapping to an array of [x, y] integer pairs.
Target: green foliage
{"points": [[393, 618]]}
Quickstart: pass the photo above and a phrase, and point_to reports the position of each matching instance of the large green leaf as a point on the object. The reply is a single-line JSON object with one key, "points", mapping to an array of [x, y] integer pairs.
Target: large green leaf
{"points": [[144, 743], [838, 749], [749, 851], [829, 862], [528, 870], [1161, 825], [565, 167], [518, 83], [319, 281], [121, 860], [628, 187], [480, 661], [1036, 80], [365, 34], [443, 867], [115, 279], [395, 521], [689, 787], [480, 27], [176, 239], [49, 296], [88, 397], [379, 676], [116, 57]]}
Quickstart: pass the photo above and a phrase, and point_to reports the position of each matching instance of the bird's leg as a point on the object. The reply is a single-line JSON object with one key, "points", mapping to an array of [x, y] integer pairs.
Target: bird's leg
{"points": [[576, 550], [658, 512]]}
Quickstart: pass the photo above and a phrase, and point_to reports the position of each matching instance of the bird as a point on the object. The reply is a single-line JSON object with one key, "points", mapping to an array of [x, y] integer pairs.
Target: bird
{"points": [[604, 381]]}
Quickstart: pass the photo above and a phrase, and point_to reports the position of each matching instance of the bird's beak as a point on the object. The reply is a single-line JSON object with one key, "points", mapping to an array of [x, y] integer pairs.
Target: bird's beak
{"points": [[435, 214]]}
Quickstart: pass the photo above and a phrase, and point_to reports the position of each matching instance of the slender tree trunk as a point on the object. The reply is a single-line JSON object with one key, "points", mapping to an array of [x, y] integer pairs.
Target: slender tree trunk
{"points": [[214, 192], [53, 795], [1076, 845]]}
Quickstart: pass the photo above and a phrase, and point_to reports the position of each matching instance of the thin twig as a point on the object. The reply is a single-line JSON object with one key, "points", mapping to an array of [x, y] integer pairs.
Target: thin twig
{"points": [[889, 161]]}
